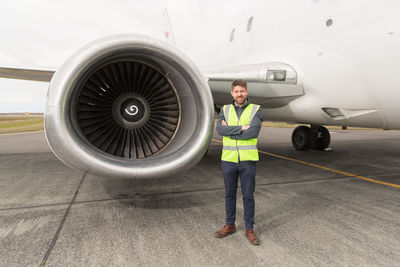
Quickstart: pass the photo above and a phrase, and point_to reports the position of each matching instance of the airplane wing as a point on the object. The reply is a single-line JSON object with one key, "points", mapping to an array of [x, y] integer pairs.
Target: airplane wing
{"points": [[26, 74], [272, 84]]}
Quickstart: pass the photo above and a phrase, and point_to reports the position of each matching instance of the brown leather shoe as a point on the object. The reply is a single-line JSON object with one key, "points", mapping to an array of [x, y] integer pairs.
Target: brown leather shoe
{"points": [[252, 237], [226, 230]]}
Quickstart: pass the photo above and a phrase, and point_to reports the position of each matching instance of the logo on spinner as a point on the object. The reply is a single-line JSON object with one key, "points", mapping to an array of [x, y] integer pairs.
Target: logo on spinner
{"points": [[133, 110]]}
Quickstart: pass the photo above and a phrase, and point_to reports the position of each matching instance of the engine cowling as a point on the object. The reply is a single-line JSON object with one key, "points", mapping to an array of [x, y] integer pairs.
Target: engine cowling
{"points": [[129, 106]]}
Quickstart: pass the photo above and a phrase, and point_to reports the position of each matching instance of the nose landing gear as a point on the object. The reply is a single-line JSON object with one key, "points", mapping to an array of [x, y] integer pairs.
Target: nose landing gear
{"points": [[315, 137]]}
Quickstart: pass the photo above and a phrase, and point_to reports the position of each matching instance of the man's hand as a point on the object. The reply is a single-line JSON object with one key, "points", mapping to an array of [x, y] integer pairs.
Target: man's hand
{"points": [[245, 127], [224, 123]]}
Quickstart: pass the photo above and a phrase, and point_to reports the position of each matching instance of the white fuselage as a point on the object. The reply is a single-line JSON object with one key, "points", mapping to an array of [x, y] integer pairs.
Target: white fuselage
{"points": [[346, 55]]}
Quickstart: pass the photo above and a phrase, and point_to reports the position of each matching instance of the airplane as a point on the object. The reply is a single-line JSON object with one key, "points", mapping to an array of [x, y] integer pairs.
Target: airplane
{"points": [[131, 105]]}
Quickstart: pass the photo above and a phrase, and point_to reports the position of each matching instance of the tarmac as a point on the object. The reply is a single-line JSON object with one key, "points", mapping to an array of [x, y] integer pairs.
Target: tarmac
{"points": [[314, 208]]}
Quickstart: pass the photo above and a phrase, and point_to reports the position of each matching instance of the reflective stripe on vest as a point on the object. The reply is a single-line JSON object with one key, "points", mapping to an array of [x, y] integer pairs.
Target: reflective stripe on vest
{"points": [[241, 147], [239, 150]]}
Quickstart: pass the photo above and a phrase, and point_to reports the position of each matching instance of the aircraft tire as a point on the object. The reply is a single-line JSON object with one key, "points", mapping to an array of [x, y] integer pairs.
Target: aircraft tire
{"points": [[323, 140], [302, 138]]}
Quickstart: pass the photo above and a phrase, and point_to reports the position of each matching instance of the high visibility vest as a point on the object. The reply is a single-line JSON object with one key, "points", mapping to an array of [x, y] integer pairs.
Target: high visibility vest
{"points": [[239, 150]]}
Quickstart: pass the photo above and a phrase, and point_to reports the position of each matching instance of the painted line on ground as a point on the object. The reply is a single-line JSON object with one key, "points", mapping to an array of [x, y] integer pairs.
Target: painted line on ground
{"points": [[60, 227], [324, 168]]}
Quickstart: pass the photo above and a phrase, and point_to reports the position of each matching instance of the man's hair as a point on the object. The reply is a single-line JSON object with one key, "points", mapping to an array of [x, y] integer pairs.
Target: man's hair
{"points": [[239, 82]]}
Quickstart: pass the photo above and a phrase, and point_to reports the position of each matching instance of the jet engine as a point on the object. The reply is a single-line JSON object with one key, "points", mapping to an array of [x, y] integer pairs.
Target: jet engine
{"points": [[129, 106]]}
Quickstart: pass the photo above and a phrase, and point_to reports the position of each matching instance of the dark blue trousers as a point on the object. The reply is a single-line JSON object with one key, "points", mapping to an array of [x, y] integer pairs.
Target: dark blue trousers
{"points": [[246, 170]]}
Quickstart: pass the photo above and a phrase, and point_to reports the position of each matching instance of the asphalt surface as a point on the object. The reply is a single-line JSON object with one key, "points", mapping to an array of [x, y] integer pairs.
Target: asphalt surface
{"points": [[306, 215]]}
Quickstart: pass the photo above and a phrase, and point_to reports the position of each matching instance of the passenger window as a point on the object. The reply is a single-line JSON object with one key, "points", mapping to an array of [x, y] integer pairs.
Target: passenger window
{"points": [[232, 35], [249, 23]]}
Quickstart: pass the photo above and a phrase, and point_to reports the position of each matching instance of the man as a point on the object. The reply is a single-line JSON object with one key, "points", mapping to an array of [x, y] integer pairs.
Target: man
{"points": [[239, 124]]}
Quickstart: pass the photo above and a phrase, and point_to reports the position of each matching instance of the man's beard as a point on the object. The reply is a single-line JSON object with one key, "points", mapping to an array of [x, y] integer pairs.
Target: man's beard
{"points": [[240, 100]]}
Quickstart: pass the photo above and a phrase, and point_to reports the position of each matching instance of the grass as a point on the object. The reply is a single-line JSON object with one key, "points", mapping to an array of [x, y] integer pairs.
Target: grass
{"points": [[16, 124]]}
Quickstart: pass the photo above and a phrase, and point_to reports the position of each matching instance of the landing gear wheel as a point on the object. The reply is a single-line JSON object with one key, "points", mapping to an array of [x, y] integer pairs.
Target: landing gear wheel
{"points": [[302, 138], [323, 139]]}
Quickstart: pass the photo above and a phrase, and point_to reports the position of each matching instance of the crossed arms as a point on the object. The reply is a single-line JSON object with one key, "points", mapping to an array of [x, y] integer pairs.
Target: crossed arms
{"points": [[240, 132]]}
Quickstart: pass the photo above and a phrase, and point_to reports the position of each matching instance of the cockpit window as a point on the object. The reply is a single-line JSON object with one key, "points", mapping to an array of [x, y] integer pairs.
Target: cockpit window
{"points": [[249, 23], [232, 35]]}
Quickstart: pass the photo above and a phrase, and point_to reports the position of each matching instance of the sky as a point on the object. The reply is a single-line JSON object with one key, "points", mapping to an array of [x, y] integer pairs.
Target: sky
{"points": [[41, 34]]}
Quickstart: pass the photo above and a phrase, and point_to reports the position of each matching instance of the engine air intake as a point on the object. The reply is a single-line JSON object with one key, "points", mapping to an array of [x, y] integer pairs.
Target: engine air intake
{"points": [[129, 106], [128, 109]]}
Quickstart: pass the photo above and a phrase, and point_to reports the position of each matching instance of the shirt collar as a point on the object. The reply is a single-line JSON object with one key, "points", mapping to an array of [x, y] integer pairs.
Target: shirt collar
{"points": [[245, 104]]}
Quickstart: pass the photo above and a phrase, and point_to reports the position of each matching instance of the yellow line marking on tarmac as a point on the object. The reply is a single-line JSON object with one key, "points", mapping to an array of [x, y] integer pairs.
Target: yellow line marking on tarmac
{"points": [[324, 168], [22, 132]]}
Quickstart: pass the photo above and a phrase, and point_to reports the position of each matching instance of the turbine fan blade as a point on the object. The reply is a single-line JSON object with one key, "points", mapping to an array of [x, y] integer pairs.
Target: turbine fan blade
{"points": [[98, 115]]}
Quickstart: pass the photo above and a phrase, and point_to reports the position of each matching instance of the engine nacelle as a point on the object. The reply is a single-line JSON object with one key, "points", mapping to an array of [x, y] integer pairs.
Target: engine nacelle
{"points": [[129, 106]]}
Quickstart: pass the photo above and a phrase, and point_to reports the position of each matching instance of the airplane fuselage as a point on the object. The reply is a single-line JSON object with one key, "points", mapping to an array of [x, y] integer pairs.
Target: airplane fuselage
{"points": [[345, 54]]}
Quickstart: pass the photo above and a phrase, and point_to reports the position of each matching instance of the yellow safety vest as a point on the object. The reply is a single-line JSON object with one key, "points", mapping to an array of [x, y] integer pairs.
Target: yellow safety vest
{"points": [[239, 150]]}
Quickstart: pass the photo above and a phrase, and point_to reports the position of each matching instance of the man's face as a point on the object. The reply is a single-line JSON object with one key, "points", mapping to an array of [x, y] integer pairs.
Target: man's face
{"points": [[239, 94]]}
